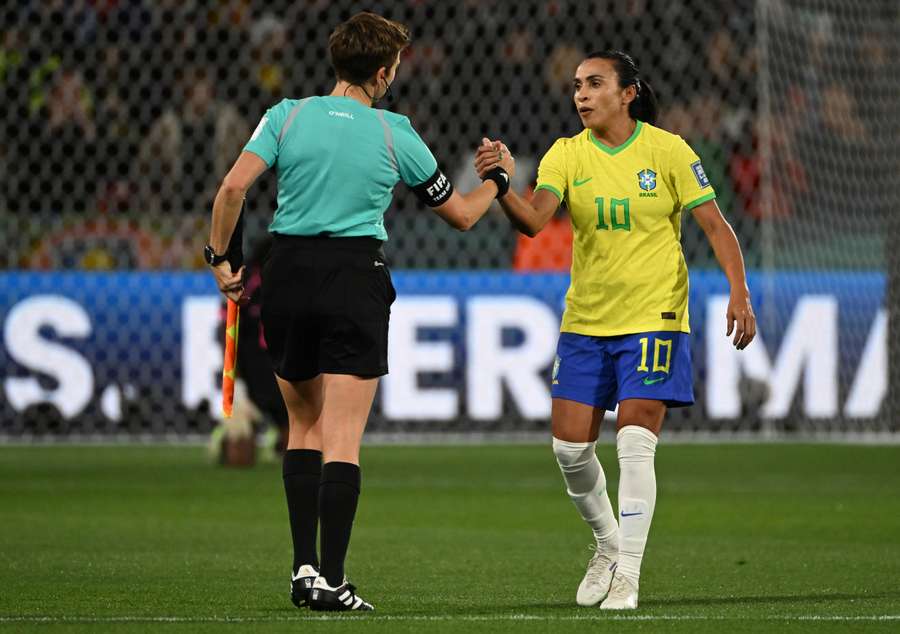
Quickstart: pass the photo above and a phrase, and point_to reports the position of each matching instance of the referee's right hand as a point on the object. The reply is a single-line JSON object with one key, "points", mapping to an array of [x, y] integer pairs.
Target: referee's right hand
{"points": [[230, 284], [491, 154]]}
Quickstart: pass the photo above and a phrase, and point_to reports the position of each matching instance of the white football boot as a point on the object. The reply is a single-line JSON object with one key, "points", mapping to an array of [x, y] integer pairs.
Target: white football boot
{"points": [[623, 595], [595, 585]]}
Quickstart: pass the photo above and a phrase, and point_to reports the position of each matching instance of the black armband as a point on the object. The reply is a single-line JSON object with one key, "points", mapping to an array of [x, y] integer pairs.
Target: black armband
{"points": [[435, 191], [500, 178]]}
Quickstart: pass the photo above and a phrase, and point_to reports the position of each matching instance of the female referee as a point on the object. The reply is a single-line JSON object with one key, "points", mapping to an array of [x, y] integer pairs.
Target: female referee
{"points": [[326, 290], [624, 335]]}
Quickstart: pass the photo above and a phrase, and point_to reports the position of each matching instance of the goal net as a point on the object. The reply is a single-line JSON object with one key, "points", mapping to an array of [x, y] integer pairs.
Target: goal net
{"points": [[121, 118]]}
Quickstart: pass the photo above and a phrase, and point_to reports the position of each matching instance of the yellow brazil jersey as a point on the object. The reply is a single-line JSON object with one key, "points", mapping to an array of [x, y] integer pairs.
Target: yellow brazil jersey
{"points": [[628, 270]]}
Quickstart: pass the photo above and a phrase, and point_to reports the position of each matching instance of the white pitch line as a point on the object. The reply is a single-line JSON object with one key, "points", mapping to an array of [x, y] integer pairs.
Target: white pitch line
{"points": [[440, 617]]}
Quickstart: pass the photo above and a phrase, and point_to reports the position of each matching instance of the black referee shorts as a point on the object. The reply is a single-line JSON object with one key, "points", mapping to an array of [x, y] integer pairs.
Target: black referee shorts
{"points": [[326, 303]]}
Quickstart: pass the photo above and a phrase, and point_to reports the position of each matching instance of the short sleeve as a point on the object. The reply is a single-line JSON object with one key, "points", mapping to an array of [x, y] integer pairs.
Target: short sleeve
{"points": [[692, 186], [552, 173], [264, 140], [415, 162]]}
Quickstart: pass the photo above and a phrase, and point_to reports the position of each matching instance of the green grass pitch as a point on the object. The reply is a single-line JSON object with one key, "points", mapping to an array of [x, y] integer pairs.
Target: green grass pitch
{"points": [[767, 537]]}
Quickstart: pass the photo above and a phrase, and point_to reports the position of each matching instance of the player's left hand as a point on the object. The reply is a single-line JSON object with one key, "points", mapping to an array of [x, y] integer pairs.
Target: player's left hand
{"points": [[230, 284], [741, 320]]}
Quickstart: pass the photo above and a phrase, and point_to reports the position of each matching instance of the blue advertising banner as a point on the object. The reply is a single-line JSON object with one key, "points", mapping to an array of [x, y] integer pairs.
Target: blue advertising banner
{"points": [[140, 352]]}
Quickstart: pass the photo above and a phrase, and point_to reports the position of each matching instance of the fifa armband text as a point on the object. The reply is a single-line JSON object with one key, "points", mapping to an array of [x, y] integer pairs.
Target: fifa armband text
{"points": [[500, 178], [435, 191]]}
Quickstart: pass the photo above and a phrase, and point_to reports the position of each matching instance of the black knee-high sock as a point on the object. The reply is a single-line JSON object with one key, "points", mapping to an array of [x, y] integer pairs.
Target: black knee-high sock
{"points": [[338, 496], [302, 472]]}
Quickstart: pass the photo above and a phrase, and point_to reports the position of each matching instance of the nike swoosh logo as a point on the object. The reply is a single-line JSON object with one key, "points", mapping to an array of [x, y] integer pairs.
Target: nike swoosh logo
{"points": [[631, 514], [649, 381], [579, 183]]}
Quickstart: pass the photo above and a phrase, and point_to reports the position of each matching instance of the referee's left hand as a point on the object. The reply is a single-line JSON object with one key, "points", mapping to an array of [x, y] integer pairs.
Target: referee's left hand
{"points": [[230, 284]]}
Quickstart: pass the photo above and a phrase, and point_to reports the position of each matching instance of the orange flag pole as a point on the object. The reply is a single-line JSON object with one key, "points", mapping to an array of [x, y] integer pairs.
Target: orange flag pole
{"points": [[230, 366], [232, 319]]}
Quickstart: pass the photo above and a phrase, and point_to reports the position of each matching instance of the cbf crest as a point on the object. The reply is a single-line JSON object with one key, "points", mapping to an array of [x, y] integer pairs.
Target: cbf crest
{"points": [[647, 179]]}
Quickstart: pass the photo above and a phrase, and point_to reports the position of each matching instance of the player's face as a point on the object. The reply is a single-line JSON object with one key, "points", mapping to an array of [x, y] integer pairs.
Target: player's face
{"points": [[598, 98]]}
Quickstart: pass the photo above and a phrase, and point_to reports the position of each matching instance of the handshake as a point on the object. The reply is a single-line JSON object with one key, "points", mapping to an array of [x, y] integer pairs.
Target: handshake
{"points": [[492, 155]]}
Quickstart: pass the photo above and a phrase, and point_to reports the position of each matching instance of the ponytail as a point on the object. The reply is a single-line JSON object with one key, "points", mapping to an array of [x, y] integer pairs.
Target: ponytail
{"points": [[645, 107]]}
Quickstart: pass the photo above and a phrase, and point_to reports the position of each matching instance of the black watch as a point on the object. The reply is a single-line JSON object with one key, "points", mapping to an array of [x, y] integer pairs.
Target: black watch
{"points": [[211, 257]]}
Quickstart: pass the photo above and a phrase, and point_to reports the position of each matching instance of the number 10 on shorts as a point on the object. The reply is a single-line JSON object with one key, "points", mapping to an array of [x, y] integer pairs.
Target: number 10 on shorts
{"points": [[659, 345]]}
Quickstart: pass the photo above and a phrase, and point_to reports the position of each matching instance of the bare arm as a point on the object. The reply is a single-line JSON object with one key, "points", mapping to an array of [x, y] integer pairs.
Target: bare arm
{"points": [[230, 198], [226, 210], [530, 217], [462, 211], [740, 317], [527, 217]]}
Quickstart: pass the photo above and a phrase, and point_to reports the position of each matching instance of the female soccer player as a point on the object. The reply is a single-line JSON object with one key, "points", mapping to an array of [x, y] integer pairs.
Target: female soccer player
{"points": [[624, 335], [326, 290]]}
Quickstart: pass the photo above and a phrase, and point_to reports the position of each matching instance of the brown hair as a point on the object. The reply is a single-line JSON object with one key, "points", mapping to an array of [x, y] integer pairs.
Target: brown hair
{"points": [[365, 43]]}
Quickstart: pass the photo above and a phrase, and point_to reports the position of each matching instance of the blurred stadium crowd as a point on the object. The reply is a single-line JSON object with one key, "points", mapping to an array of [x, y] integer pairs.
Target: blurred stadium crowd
{"points": [[121, 116]]}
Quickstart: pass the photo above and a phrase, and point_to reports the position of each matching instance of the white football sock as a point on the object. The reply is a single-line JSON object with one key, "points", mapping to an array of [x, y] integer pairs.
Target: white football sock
{"points": [[636, 447], [586, 485]]}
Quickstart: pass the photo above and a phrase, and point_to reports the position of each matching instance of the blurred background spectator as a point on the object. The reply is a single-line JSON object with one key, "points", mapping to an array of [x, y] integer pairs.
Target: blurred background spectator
{"points": [[126, 113], [189, 148]]}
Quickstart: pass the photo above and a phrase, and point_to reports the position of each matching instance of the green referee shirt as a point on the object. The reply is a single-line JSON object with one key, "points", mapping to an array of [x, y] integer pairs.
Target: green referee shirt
{"points": [[337, 162]]}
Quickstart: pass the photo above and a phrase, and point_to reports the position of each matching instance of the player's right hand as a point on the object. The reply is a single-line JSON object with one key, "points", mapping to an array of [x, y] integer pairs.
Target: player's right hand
{"points": [[491, 154]]}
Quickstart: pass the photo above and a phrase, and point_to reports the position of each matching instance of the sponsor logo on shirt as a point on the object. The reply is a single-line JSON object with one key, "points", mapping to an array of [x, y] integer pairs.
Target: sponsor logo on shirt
{"points": [[699, 174], [343, 115]]}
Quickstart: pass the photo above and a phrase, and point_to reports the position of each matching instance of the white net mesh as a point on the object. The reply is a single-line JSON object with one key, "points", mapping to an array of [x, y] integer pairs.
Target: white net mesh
{"points": [[828, 123], [120, 118]]}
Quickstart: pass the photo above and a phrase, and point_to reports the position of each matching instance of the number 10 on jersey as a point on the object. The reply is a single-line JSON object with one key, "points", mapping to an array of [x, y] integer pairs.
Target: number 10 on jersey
{"points": [[661, 347], [619, 214]]}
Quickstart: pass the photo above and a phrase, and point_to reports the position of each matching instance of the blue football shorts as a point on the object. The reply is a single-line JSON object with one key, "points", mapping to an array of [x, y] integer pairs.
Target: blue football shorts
{"points": [[602, 371]]}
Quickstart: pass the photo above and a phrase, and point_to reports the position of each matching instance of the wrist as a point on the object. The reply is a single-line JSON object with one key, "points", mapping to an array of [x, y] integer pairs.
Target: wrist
{"points": [[213, 257], [500, 177]]}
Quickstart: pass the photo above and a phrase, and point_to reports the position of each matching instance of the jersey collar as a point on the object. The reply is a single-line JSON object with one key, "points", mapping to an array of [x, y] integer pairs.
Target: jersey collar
{"points": [[615, 150]]}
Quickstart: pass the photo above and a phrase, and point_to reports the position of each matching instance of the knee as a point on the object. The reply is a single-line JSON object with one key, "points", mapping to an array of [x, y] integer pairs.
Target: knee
{"points": [[573, 454], [580, 467], [635, 444], [638, 413]]}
